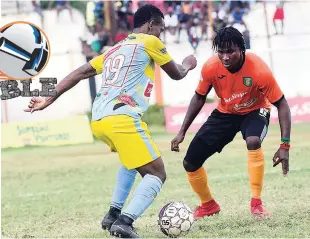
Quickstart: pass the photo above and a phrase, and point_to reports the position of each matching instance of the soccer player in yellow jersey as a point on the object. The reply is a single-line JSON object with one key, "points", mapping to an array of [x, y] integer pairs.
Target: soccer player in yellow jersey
{"points": [[127, 70]]}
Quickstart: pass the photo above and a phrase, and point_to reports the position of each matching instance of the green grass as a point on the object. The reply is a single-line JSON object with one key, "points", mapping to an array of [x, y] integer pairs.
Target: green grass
{"points": [[65, 191]]}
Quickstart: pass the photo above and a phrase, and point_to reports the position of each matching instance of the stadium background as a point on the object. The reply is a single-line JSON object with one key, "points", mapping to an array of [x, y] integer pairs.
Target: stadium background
{"points": [[23, 169]]}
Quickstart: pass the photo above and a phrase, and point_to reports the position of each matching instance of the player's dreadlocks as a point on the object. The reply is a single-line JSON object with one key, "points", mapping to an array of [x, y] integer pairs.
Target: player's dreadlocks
{"points": [[146, 13], [226, 37]]}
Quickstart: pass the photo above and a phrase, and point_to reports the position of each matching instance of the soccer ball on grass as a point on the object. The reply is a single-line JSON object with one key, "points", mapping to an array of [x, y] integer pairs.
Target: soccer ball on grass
{"points": [[175, 219]]}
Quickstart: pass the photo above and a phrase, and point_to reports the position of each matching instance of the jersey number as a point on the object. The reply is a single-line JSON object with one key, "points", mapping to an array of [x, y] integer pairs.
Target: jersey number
{"points": [[113, 68]]}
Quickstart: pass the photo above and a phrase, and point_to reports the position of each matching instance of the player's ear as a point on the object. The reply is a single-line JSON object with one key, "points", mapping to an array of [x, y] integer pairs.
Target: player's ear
{"points": [[151, 25]]}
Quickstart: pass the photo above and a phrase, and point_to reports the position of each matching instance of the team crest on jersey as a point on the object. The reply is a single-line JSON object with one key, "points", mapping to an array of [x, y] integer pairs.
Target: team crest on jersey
{"points": [[247, 81]]}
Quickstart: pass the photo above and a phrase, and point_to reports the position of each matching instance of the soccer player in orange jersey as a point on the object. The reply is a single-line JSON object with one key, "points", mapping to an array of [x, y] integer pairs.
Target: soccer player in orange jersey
{"points": [[246, 88]]}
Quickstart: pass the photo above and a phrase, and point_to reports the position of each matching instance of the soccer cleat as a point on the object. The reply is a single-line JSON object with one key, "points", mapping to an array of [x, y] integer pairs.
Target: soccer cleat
{"points": [[123, 228], [207, 209], [110, 218], [257, 208]]}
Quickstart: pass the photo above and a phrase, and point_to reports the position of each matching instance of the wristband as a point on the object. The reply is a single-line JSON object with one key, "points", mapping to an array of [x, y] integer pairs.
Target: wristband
{"points": [[285, 146], [285, 140]]}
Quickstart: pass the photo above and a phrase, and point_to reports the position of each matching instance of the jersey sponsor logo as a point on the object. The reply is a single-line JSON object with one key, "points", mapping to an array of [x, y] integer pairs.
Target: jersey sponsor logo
{"points": [[247, 81], [221, 76], [131, 38], [163, 50], [245, 105], [235, 96]]}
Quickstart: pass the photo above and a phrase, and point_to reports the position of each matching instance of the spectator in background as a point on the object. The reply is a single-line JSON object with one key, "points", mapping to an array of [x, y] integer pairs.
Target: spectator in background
{"points": [[171, 22], [279, 15], [124, 15], [193, 35], [234, 4], [187, 8], [238, 14], [90, 16], [184, 18], [204, 21], [37, 9], [61, 5], [223, 10], [92, 39], [122, 33], [99, 11], [97, 38], [194, 23], [158, 3], [218, 24], [103, 36], [130, 13]]}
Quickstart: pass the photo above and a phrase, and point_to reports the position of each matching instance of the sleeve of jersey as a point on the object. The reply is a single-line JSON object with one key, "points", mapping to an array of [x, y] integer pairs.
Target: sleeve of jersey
{"points": [[157, 51], [205, 81], [97, 63], [269, 86]]}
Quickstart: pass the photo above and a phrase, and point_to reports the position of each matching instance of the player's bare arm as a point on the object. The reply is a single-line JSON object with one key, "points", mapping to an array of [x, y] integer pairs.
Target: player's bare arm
{"points": [[282, 155], [83, 72], [195, 106], [177, 71], [274, 94]]}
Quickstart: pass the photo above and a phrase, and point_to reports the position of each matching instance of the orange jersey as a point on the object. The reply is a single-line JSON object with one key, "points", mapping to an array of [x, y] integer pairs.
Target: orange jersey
{"points": [[251, 88]]}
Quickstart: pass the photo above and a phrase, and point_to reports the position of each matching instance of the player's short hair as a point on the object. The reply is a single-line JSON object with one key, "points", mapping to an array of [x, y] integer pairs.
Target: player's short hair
{"points": [[227, 36], [147, 13]]}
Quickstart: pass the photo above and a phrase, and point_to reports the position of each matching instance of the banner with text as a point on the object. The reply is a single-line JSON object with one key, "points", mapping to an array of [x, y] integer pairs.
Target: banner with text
{"points": [[74, 130], [174, 116]]}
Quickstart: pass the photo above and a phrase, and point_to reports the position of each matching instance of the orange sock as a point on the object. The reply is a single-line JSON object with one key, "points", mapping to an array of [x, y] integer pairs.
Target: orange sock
{"points": [[256, 171], [199, 182]]}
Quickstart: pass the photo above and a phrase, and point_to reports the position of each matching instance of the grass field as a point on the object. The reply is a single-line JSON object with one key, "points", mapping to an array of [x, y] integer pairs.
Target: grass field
{"points": [[65, 191]]}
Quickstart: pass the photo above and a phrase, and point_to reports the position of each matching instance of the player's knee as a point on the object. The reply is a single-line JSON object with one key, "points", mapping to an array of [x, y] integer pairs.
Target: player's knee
{"points": [[161, 175], [160, 171], [253, 142], [155, 168], [190, 167]]}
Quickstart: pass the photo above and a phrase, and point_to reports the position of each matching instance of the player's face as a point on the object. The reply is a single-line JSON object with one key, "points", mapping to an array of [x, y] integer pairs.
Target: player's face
{"points": [[230, 57], [156, 29]]}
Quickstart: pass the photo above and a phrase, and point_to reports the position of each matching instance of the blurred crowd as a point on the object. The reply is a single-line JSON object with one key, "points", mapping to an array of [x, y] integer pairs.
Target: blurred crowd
{"points": [[191, 21], [192, 17], [109, 22]]}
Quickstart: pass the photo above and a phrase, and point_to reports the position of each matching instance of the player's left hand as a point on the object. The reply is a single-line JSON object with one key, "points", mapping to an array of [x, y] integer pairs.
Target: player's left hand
{"points": [[282, 156]]}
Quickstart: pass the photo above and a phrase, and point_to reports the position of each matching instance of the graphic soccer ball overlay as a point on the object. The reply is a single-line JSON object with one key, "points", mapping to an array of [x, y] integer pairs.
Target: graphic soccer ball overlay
{"points": [[24, 50]]}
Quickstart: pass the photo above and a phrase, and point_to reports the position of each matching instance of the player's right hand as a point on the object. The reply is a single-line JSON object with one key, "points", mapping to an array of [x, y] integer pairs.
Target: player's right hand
{"points": [[176, 141], [190, 62], [36, 103]]}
